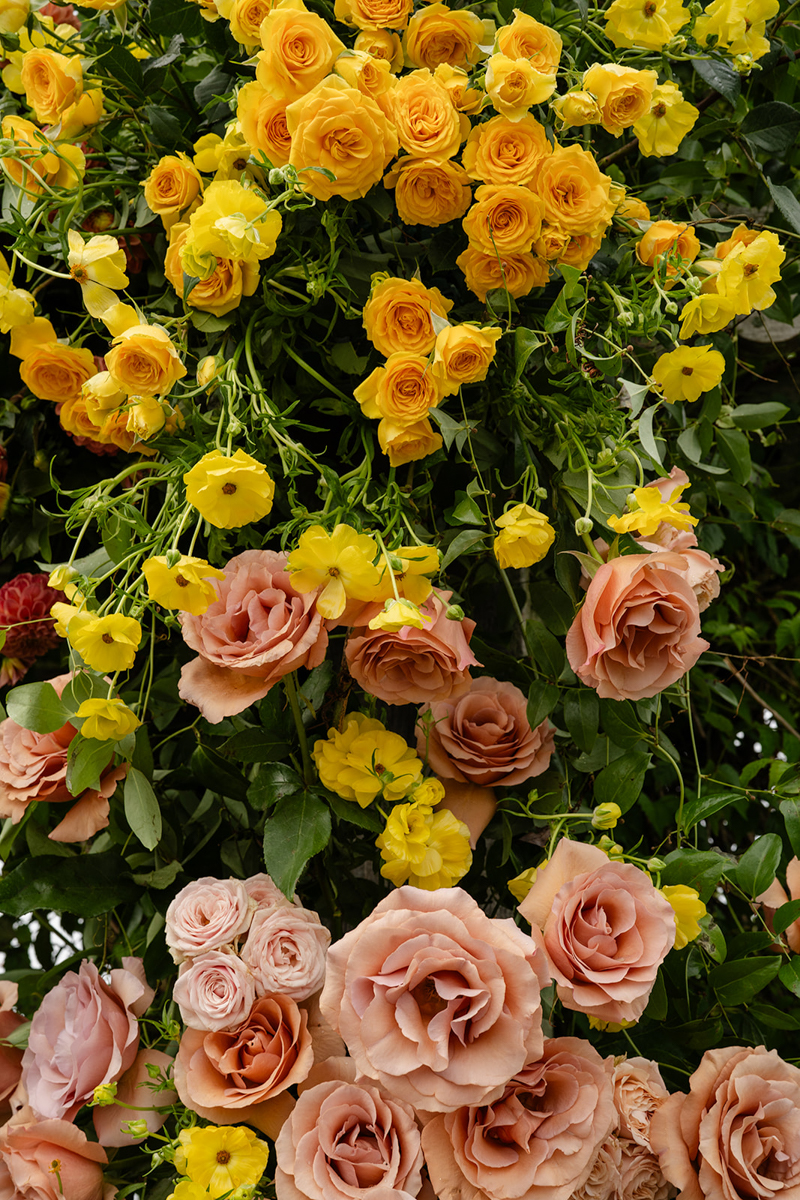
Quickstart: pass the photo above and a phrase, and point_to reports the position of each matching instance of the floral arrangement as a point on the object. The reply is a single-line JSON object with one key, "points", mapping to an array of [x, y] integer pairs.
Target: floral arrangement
{"points": [[398, 754]]}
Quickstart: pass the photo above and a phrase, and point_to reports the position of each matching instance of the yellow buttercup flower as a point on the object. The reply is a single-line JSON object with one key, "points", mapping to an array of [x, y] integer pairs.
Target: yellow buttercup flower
{"points": [[748, 272], [229, 490], [706, 314], [104, 643], [232, 222], [225, 157], [425, 849], [107, 720], [13, 15], [398, 614], [186, 1190], [366, 761], [689, 909], [737, 25], [652, 510], [16, 305], [340, 563], [186, 585], [525, 538], [98, 266], [644, 24], [62, 614], [222, 1159], [664, 127], [685, 373], [411, 566], [521, 884]]}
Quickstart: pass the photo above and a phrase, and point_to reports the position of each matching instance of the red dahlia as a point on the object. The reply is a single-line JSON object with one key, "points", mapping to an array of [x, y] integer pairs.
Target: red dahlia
{"points": [[25, 603]]}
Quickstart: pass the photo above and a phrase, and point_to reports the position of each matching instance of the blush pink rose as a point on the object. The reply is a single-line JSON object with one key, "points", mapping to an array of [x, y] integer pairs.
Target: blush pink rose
{"points": [[84, 1033], [640, 1176], [266, 893], [345, 1140], [214, 991], [206, 915], [285, 950], [638, 1091], [484, 736], [259, 630], [775, 896], [606, 930], [135, 1088], [538, 1140], [33, 766], [241, 1076], [736, 1136], [413, 666], [436, 1001], [10, 1056], [638, 630], [27, 1151]]}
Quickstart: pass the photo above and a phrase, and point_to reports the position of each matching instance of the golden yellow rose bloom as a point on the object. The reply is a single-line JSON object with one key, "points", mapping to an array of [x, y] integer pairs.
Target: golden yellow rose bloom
{"points": [[262, 117], [503, 151], [514, 84], [464, 354], [144, 362], [107, 719], [525, 537], [525, 37], [427, 124], [224, 288], [52, 82], [229, 490], [519, 274], [438, 34], [51, 371], [397, 316], [429, 191], [299, 50], [408, 443], [505, 219], [623, 94], [403, 390], [688, 372], [172, 187], [577, 108], [575, 193]]}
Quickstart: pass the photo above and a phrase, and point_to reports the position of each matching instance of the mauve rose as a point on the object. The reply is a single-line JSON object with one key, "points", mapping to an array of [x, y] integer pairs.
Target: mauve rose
{"points": [[538, 1140], [775, 896], [413, 666], [83, 1034], [133, 1089], [259, 630], [241, 1077], [699, 569], [436, 1001], [604, 1178], [736, 1136], [606, 930], [285, 950], [33, 766], [207, 914], [638, 629], [214, 991], [10, 1056], [484, 736], [27, 1151], [638, 1091], [345, 1140], [640, 1174]]}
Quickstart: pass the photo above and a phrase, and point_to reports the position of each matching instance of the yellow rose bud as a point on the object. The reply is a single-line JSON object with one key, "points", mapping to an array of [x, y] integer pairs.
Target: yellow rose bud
{"points": [[172, 187], [209, 369], [521, 884], [577, 108], [513, 85]]}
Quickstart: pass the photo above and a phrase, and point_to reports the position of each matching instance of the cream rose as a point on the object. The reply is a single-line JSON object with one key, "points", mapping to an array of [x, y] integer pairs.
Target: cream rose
{"points": [[214, 991], [285, 951], [206, 915]]}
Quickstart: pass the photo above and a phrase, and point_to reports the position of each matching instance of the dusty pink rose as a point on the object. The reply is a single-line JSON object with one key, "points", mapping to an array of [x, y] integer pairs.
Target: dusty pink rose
{"points": [[484, 736], [606, 930], [214, 991], [638, 629], [345, 1140], [258, 630], [736, 1136], [266, 893], [604, 1180], [206, 915], [775, 896], [241, 1077], [84, 1033], [699, 569], [33, 766], [413, 666], [285, 950], [640, 1176], [135, 1088], [537, 1140], [27, 1151], [436, 1001], [10, 1056], [638, 1091]]}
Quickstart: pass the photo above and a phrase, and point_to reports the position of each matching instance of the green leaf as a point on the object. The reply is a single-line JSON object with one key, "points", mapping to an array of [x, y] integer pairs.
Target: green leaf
{"points": [[297, 830], [141, 809], [772, 127], [525, 342], [786, 202], [218, 774], [344, 356], [790, 811], [466, 512], [648, 438], [737, 982], [582, 717], [758, 416], [621, 723], [257, 746], [216, 83], [788, 522], [789, 974], [785, 915], [658, 1004], [721, 77], [272, 784], [460, 544], [313, 690], [699, 810], [636, 393], [90, 885], [621, 781], [735, 449], [767, 1015], [353, 813], [119, 65], [553, 605], [83, 686], [160, 878], [700, 869], [36, 706], [86, 763], [168, 17], [758, 864], [542, 699], [167, 132], [546, 652], [558, 317]]}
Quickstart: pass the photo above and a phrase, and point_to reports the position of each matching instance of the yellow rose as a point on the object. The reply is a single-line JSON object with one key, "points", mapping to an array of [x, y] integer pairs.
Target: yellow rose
{"points": [[39, 160], [464, 354], [408, 443], [403, 390], [506, 218], [528, 38], [299, 50], [244, 18], [144, 361], [580, 249], [372, 76], [75, 420], [503, 151], [82, 115], [224, 288], [56, 372], [552, 242], [172, 187], [623, 94], [52, 83], [667, 239], [439, 34], [397, 316], [16, 305], [740, 234], [379, 16], [644, 24], [577, 108], [519, 274], [575, 193], [514, 84], [464, 98], [429, 191], [663, 128], [381, 43], [630, 208], [263, 121], [345, 131], [101, 395], [427, 124]]}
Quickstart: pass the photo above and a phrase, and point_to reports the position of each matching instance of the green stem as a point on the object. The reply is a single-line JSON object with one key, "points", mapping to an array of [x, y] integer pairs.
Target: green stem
{"points": [[291, 693]]}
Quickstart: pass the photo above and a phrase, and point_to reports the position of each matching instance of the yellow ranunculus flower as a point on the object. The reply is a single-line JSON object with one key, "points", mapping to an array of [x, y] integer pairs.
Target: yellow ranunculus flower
{"points": [[706, 314], [13, 14], [16, 305], [644, 24], [514, 84], [186, 1190], [230, 490], [105, 643], [609, 1026], [414, 564], [663, 128], [232, 222], [225, 157], [98, 266], [685, 373], [623, 94], [521, 884], [62, 614], [222, 1159], [438, 34], [525, 538], [749, 270], [689, 909], [398, 614], [52, 83], [366, 761], [738, 25], [430, 791], [339, 563], [144, 361], [652, 510], [107, 720], [425, 849], [186, 585], [577, 108]]}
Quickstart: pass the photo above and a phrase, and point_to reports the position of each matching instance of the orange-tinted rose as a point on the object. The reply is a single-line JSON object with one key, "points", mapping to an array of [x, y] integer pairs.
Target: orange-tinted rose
{"points": [[427, 124], [52, 82], [517, 273], [505, 219], [377, 15], [623, 94], [408, 443], [263, 120], [666, 239], [575, 193], [397, 316], [439, 34], [402, 391], [225, 286], [503, 151], [49, 370], [527, 38], [299, 50], [144, 361], [429, 191], [172, 187], [464, 354]]}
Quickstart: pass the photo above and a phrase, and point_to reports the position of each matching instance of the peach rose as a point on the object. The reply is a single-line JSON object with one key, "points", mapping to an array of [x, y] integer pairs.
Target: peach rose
{"points": [[464, 354], [397, 316], [265, 893], [135, 1088], [299, 50], [604, 1178], [429, 191], [226, 285], [624, 94], [638, 1091], [214, 991], [83, 1034], [639, 628], [242, 1075], [413, 666], [640, 1176], [258, 630], [736, 1136], [436, 1001], [502, 151], [378, 16], [402, 391], [408, 443], [33, 766], [10, 1056], [52, 82], [505, 219], [775, 896], [538, 1139], [606, 930], [484, 736], [519, 274], [262, 117], [207, 915], [28, 1149], [576, 194], [285, 950], [427, 124], [699, 569], [667, 239], [345, 1140], [439, 34]]}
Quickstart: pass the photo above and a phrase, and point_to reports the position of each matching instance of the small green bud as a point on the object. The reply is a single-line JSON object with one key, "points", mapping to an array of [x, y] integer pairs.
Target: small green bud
{"points": [[173, 557], [138, 1129], [654, 865], [454, 612], [610, 847], [105, 1094], [584, 525]]}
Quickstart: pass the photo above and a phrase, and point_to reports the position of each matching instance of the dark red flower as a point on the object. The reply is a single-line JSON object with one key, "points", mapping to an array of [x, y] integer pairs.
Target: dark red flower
{"points": [[25, 603]]}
